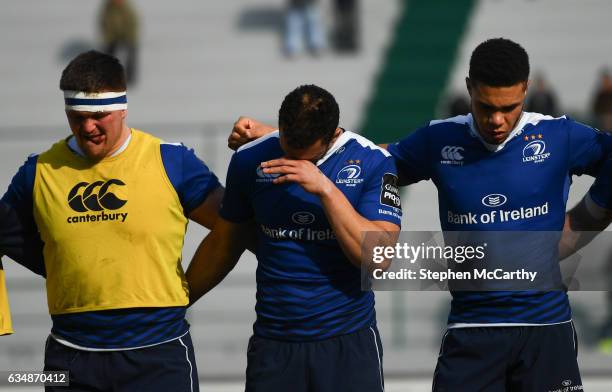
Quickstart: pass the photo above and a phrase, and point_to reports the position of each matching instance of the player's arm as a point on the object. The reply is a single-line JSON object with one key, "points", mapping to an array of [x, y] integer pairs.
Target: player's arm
{"points": [[592, 215], [350, 226], [12, 233], [207, 212], [233, 231], [197, 187], [216, 256], [19, 237], [582, 224], [412, 156], [347, 224]]}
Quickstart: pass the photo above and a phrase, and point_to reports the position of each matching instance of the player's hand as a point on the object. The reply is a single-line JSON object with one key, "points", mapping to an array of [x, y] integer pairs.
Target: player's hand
{"points": [[246, 129], [302, 172]]}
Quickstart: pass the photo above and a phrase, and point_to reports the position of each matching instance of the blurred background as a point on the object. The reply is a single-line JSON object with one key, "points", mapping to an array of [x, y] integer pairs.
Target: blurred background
{"points": [[195, 66]]}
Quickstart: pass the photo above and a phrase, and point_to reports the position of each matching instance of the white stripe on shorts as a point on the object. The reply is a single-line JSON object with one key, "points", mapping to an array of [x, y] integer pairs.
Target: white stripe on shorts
{"points": [[189, 362], [382, 388]]}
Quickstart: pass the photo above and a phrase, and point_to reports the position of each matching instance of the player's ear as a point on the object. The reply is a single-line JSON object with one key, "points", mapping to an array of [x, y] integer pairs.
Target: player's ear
{"points": [[123, 114]]}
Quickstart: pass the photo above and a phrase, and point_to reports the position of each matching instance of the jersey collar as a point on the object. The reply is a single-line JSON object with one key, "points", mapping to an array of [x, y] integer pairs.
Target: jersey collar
{"points": [[497, 147], [340, 141]]}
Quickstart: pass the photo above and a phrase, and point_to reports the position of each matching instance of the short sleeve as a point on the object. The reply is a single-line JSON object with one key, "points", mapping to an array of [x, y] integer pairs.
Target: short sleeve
{"points": [[189, 175], [20, 190], [236, 206], [588, 148], [411, 157], [380, 200]]}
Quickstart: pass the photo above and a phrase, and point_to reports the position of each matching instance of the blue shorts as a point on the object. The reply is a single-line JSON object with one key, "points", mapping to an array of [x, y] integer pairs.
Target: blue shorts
{"points": [[351, 362], [498, 359], [164, 367]]}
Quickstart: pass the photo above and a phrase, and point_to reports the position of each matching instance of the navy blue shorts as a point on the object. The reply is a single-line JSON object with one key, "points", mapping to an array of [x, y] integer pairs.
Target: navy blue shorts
{"points": [[343, 363], [164, 367], [492, 359]]}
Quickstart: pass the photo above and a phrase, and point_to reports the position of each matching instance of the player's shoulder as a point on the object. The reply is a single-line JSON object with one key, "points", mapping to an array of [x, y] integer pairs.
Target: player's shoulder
{"points": [[354, 143], [352, 148], [261, 144], [532, 119], [441, 129], [54, 152], [455, 129], [262, 149], [31, 160], [460, 121]]}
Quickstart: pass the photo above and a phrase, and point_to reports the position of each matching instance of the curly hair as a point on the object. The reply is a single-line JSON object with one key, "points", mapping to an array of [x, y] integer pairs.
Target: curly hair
{"points": [[499, 62]]}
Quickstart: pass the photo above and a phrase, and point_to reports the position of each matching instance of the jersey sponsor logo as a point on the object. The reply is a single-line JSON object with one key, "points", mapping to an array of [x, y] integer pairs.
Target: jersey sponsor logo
{"points": [[535, 150], [566, 386], [451, 155], [350, 174], [494, 200], [301, 234], [97, 197], [264, 177], [303, 218], [497, 215], [91, 201], [389, 191]]}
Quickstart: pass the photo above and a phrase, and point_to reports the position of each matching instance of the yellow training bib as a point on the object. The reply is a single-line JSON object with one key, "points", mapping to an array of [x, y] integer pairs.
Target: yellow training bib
{"points": [[113, 230]]}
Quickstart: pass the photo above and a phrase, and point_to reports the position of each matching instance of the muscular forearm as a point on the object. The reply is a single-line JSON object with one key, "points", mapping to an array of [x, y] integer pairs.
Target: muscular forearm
{"points": [[214, 259], [349, 226], [582, 224]]}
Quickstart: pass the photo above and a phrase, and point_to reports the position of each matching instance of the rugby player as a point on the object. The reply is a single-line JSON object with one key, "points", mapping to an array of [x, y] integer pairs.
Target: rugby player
{"points": [[111, 204], [312, 190], [498, 340]]}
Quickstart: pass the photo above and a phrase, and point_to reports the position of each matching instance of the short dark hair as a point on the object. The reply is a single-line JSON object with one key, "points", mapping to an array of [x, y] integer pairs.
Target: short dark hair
{"points": [[307, 114], [499, 62], [93, 72]]}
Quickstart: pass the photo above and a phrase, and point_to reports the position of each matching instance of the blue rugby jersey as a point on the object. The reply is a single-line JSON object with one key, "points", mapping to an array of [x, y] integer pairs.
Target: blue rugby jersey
{"points": [[307, 289], [122, 328], [18, 242], [526, 180]]}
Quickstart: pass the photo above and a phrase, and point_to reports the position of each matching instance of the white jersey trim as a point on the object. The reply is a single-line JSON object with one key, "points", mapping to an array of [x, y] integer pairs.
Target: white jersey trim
{"points": [[346, 137], [76, 346], [342, 140], [475, 325], [464, 119], [255, 142]]}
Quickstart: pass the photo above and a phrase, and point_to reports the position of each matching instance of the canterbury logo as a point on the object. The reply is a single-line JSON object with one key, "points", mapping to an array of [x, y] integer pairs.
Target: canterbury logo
{"points": [[452, 153], [95, 196]]}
